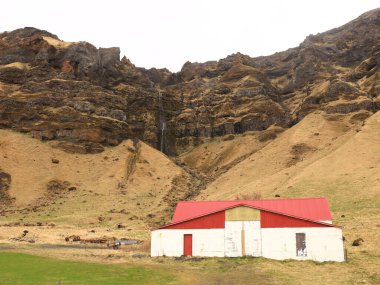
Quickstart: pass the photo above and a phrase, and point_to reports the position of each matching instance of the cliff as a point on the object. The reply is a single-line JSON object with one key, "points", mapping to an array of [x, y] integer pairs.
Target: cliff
{"points": [[86, 98]]}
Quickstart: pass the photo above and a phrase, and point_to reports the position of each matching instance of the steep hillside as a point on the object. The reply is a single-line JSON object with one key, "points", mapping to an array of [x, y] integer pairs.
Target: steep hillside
{"points": [[332, 156], [322, 152], [278, 167], [84, 135], [93, 146], [87, 98], [132, 184]]}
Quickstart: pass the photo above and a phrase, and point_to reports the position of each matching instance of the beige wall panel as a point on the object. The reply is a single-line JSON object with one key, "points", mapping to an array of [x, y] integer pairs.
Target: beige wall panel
{"points": [[242, 214]]}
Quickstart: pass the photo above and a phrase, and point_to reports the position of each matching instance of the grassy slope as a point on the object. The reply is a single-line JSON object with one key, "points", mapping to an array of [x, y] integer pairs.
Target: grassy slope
{"points": [[103, 188], [330, 156], [16, 268], [342, 163]]}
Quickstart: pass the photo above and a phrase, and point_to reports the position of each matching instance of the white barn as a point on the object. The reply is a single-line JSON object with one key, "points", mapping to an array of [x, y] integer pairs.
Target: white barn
{"points": [[278, 229]]}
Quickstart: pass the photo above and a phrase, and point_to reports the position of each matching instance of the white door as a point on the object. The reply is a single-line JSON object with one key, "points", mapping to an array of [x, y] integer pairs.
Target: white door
{"points": [[242, 238], [232, 239], [252, 238]]}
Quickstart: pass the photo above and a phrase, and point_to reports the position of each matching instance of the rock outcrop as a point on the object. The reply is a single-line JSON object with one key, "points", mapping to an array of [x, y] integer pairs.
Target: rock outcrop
{"points": [[86, 98], [72, 92], [336, 71]]}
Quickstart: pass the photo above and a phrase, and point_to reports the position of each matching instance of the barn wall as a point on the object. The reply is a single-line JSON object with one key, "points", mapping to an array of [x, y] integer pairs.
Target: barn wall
{"points": [[273, 220], [169, 242], [242, 214], [237, 243], [212, 221], [322, 244]]}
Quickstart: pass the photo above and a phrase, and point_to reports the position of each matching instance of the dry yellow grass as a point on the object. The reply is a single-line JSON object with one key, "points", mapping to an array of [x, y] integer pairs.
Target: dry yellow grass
{"points": [[215, 157], [57, 43], [324, 155], [19, 65], [102, 186], [332, 156]]}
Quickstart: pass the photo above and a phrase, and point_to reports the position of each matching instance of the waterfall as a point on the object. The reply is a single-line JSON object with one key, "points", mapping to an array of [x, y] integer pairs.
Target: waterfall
{"points": [[162, 122], [162, 136]]}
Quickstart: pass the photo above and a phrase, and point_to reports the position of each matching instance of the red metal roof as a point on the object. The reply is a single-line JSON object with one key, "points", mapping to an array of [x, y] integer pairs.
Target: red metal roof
{"points": [[316, 209]]}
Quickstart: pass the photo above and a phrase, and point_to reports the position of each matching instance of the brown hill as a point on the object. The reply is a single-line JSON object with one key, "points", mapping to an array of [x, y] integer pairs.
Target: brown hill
{"points": [[132, 184], [81, 129], [336, 156], [83, 136]]}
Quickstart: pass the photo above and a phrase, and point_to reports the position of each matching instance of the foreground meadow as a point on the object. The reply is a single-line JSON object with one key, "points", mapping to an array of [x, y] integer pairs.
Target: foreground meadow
{"points": [[45, 265]]}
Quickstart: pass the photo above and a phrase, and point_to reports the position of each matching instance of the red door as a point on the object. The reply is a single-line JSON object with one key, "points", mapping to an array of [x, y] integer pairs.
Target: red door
{"points": [[188, 245]]}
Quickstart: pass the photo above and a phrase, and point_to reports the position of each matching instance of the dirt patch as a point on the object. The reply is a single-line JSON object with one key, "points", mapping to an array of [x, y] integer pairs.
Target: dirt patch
{"points": [[72, 246], [132, 160], [71, 147], [269, 134], [357, 242], [298, 151], [57, 189], [57, 186], [229, 138], [24, 237], [249, 196], [5, 181], [360, 116]]}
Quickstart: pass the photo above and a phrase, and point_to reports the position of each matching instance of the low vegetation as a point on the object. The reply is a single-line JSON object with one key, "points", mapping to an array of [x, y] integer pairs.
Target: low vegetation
{"points": [[19, 268], [16, 268]]}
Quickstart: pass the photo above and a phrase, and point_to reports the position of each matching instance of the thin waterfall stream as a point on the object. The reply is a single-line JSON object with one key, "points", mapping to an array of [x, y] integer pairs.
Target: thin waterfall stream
{"points": [[162, 122]]}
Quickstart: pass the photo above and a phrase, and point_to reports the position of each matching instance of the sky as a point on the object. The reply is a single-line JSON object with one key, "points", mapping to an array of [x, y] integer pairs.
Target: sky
{"points": [[167, 33]]}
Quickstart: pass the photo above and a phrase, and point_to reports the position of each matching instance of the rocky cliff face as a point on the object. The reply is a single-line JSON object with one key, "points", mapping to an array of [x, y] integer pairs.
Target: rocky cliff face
{"points": [[86, 98], [336, 71]]}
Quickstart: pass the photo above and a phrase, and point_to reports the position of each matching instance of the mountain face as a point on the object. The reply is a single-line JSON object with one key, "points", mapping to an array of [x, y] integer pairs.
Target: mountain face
{"points": [[84, 98], [83, 132]]}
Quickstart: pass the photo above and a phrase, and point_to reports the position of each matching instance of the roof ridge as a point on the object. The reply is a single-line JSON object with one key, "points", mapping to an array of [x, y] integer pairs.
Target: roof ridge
{"points": [[279, 199], [255, 207]]}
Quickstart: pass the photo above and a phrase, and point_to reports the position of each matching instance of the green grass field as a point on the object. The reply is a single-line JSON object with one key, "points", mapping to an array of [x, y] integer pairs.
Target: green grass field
{"points": [[20, 268], [16, 268]]}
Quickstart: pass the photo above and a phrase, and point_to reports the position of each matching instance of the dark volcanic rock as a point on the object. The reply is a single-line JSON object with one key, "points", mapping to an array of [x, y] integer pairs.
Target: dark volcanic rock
{"points": [[72, 92], [87, 98]]}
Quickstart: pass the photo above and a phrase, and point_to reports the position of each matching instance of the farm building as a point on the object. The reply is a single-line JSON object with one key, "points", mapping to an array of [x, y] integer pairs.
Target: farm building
{"points": [[278, 229]]}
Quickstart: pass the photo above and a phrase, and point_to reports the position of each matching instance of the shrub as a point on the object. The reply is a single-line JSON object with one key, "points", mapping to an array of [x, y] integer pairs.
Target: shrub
{"points": [[249, 196]]}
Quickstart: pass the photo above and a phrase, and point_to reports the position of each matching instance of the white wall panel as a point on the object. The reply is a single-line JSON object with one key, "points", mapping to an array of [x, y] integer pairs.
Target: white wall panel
{"points": [[252, 238], [322, 244], [169, 242], [233, 238]]}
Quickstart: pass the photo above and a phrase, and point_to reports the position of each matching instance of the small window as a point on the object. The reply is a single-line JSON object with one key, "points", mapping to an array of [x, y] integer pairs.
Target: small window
{"points": [[301, 244]]}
